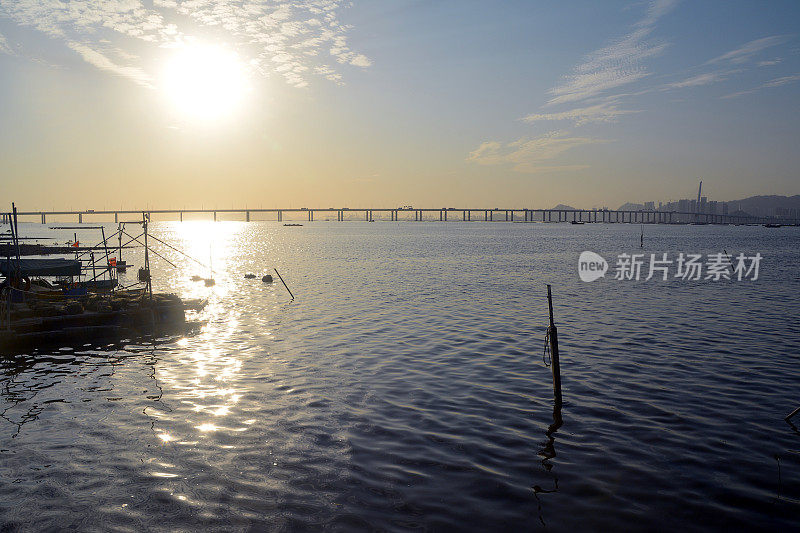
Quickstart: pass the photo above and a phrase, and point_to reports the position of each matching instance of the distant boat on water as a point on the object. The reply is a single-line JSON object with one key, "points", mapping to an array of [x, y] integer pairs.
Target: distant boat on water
{"points": [[577, 222], [292, 224]]}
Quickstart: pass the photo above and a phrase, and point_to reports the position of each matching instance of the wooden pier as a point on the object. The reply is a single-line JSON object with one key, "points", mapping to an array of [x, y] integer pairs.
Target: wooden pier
{"points": [[421, 215]]}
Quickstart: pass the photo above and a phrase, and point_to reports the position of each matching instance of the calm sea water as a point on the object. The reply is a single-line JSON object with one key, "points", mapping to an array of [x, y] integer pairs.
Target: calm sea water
{"points": [[404, 389]]}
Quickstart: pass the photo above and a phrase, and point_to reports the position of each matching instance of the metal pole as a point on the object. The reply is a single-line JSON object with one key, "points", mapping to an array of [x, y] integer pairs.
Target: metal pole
{"points": [[147, 263], [105, 247]]}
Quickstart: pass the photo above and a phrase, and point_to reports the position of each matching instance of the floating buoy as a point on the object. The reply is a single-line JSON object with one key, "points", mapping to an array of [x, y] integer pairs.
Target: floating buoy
{"points": [[249, 275], [209, 282], [267, 279]]}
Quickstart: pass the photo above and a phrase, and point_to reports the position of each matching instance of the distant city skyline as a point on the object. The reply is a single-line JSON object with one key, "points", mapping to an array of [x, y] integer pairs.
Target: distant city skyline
{"points": [[170, 104]]}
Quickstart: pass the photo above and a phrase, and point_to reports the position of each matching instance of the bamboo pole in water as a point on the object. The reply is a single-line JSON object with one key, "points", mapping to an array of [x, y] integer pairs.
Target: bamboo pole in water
{"points": [[284, 283], [552, 335]]}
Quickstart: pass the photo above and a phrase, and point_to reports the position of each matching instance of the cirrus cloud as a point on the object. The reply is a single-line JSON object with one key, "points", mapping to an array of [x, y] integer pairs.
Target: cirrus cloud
{"points": [[296, 40], [532, 155]]}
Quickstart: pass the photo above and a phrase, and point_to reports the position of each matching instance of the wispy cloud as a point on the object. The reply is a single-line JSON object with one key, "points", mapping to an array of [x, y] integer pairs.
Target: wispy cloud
{"points": [[96, 58], [617, 64], [745, 53], [776, 82], [785, 80], [531, 155], [297, 40], [4, 46], [736, 61], [603, 112], [610, 67], [703, 79]]}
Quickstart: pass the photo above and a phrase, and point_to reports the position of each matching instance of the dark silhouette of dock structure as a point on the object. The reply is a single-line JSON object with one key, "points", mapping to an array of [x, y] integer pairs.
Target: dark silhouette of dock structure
{"points": [[430, 214]]}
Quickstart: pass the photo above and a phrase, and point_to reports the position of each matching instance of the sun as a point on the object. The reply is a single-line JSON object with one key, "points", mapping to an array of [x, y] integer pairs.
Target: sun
{"points": [[205, 82]]}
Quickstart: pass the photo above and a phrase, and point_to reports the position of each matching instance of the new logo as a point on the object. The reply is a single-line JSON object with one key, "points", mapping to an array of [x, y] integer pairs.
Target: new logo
{"points": [[591, 266]]}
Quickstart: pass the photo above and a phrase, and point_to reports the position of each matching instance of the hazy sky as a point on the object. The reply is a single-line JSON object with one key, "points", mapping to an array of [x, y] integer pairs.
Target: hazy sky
{"points": [[384, 103]]}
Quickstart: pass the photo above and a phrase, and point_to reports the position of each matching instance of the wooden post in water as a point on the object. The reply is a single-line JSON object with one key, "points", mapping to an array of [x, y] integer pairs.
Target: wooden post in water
{"points": [[552, 335]]}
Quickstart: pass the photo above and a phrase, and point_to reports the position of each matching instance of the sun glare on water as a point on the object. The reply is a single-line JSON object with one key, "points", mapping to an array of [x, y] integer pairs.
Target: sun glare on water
{"points": [[205, 82]]}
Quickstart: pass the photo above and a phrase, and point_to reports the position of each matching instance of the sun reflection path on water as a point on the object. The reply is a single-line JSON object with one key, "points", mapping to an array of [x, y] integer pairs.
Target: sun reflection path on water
{"points": [[204, 374]]}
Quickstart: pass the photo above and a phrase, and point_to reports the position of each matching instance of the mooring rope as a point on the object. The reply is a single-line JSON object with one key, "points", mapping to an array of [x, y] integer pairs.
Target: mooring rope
{"points": [[546, 353]]}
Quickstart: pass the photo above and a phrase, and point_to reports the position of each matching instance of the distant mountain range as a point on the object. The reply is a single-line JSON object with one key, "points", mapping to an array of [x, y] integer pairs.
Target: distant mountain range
{"points": [[631, 207], [756, 203]]}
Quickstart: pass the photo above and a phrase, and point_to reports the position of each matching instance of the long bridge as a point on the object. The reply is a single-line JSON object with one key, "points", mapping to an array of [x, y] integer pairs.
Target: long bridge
{"points": [[428, 214]]}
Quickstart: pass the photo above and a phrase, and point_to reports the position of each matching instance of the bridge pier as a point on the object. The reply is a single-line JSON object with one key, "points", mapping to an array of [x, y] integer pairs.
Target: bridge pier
{"points": [[80, 218], [116, 218], [280, 215], [215, 216], [44, 220], [247, 216], [180, 215]]}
